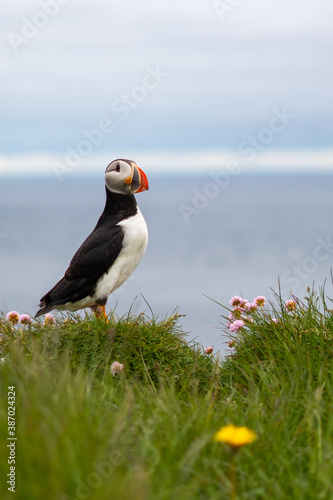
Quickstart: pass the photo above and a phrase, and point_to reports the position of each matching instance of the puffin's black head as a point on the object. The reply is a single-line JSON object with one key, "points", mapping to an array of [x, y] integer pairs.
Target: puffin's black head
{"points": [[125, 177]]}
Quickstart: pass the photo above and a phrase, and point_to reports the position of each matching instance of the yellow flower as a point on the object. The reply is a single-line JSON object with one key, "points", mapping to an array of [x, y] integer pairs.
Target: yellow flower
{"points": [[235, 436]]}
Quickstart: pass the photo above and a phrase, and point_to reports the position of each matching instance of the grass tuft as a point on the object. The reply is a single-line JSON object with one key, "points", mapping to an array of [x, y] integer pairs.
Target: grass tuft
{"points": [[147, 433], [151, 350]]}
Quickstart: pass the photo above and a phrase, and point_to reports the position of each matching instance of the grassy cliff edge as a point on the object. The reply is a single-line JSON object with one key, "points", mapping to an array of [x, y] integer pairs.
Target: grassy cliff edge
{"points": [[146, 432]]}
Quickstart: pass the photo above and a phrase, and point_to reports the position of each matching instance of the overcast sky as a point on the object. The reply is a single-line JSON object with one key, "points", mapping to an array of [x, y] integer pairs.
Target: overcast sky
{"points": [[168, 82]]}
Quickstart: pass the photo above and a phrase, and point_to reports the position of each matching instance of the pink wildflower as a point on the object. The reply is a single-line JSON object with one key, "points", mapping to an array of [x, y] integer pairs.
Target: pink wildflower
{"points": [[25, 319], [231, 343], [209, 350], [260, 301], [242, 305], [117, 368], [250, 307], [49, 320], [13, 317], [236, 301], [236, 325], [236, 313], [290, 305], [275, 320]]}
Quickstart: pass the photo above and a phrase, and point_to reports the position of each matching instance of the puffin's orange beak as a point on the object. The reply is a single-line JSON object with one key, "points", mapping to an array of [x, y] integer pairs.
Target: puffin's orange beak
{"points": [[139, 180]]}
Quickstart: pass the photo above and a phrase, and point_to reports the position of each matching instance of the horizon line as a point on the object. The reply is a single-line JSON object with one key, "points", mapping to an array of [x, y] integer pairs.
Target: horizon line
{"points": [[172, 161]]}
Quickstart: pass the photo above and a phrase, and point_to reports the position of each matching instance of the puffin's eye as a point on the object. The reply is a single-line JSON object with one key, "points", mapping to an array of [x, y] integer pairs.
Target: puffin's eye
{"points": [[117, 169]]}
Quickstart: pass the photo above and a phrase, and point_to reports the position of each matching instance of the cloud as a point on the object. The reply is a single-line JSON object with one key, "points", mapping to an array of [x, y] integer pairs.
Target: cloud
{"points": [[225, 75], [171, 162]]}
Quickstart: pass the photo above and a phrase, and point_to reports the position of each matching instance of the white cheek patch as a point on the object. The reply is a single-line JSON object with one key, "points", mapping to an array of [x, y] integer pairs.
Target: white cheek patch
{"points": [[116, 181]]}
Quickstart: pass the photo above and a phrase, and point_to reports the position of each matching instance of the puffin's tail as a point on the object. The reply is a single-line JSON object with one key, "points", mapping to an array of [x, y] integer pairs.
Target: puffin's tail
{"points": [[48, 302], [45, 309], [64, 291]]}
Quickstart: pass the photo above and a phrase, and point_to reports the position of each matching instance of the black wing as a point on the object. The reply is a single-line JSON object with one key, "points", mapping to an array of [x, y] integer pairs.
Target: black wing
{"points": [[94, 257]]}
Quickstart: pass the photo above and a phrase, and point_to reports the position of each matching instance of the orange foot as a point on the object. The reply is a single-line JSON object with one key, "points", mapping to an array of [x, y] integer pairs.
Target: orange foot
{"points": [[100, 312]]}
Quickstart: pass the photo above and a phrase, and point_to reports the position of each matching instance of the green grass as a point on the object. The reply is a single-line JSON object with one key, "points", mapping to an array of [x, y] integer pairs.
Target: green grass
{"points": [[147, 434]]}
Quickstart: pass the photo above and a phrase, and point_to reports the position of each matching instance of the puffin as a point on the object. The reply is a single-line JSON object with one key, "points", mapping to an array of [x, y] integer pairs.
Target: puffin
{"points": [[110, 254]]}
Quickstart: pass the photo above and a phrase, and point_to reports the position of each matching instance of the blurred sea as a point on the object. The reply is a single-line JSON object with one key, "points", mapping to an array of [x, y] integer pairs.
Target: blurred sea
{"points": [[239, 241]]}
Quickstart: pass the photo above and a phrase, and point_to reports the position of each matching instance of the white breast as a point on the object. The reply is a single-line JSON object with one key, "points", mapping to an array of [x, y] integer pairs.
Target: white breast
{"points": [[134, 246]]}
